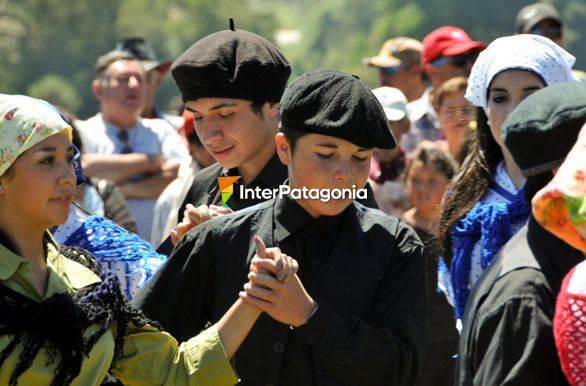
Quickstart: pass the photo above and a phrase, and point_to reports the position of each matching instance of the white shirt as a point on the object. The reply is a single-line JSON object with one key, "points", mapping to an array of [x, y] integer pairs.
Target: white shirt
{"points": [[149, 136]]}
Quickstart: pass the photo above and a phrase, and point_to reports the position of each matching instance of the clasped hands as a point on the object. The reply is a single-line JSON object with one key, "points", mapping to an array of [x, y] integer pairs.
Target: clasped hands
{"points": [[274, 287]]}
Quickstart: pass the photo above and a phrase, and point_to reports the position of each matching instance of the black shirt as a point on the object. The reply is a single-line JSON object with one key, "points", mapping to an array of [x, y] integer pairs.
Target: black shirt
{"points": [[204, 189], [440, 362], [507, 335], [370, 327]]}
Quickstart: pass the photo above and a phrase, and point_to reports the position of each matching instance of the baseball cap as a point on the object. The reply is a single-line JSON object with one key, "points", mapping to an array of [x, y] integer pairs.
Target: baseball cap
{"points": [[396, 51], [448, 41], [143, 51], [532, 14], [393, 101]]}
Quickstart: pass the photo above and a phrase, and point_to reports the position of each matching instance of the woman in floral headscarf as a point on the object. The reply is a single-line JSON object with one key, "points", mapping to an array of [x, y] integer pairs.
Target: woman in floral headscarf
{"points": [[560, 208], [60, 323], [484, 206]]}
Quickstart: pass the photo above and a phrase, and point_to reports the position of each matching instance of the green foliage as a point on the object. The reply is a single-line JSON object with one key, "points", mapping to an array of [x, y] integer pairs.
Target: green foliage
{"points": [[42, 40], [57, 90]]}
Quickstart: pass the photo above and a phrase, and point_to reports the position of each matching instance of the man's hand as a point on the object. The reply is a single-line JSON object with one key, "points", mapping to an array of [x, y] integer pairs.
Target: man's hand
{"points": [[275, 288], [193, 216]]}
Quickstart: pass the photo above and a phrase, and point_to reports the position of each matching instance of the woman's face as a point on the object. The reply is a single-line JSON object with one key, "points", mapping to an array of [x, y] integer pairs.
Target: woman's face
{"points": [[506, 91], [455, 115], [39, 188]]}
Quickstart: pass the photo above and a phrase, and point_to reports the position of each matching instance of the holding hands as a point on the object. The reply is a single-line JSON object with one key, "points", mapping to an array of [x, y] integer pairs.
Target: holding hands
{"points": [[275, 288], [193, 216]]}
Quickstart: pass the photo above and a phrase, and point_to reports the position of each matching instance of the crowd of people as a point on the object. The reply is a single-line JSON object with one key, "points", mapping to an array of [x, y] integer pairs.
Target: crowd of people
{"points": [[124, 259]]}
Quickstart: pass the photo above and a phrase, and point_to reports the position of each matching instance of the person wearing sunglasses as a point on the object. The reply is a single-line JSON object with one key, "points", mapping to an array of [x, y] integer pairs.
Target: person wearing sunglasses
{"points": [[545, 20], [142, 156], [448, 52], [399, 66]]}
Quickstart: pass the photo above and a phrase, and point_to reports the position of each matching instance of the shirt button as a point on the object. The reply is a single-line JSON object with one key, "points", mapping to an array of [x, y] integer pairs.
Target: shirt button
{"points": [[278, 347], [314, 262]]}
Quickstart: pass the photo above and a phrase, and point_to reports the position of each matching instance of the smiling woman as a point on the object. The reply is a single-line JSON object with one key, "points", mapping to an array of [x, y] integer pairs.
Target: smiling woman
{"points": [[61, 324]]}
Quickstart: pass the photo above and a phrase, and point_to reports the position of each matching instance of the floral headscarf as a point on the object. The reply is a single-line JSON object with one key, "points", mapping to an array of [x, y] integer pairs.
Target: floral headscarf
{"points": [[519, 52], [560, 207], [24, 122]]}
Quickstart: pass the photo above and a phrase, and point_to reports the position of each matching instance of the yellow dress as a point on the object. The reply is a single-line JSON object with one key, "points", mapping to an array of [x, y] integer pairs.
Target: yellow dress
{"points": [[150, 357]]}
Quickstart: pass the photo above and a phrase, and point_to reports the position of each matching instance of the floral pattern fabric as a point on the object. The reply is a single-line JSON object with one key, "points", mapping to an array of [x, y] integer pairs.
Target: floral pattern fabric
{"points": [[24, 122], [560, 207]]}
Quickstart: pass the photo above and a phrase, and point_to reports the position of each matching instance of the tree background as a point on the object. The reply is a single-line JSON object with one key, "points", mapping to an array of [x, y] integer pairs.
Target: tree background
{"points": [[48, 47]]}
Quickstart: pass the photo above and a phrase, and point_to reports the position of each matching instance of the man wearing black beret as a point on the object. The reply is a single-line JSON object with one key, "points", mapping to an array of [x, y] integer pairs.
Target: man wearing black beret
{"points": [[232, 82], [355, 314], [507, 335]]}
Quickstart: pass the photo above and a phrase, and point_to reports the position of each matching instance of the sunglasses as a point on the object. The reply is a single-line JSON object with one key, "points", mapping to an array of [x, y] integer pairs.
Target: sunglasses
{"points": [[552, 31], [457, 60], [390, 70], [123, 137]]}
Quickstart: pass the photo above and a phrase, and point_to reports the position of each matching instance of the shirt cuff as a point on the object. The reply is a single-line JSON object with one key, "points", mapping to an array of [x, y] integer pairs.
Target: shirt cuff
{"points": [[208, 359]]}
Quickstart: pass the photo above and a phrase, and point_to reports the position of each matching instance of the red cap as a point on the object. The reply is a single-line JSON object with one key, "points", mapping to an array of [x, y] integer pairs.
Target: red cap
{"points": [[447, 41]]}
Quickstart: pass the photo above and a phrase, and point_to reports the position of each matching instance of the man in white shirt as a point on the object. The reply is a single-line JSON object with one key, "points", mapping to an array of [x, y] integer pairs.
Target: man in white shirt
{"points": [[140, 155]]}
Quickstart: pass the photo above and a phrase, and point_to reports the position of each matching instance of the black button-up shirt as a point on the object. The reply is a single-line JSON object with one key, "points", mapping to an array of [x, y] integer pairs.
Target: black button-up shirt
{"points": [[204, 189], [370, 326], [507, 335]]}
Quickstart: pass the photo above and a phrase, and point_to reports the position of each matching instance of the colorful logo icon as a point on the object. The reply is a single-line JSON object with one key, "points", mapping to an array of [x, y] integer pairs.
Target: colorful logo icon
{"points": [[226, 187]]}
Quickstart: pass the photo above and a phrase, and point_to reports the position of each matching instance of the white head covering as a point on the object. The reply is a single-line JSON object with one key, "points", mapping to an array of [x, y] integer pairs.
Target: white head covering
{"points": [[519, 52]]}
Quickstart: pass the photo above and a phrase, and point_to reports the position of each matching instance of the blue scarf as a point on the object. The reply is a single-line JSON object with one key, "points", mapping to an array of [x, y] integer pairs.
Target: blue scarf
{"points": [[490, 224], [113, 246]]}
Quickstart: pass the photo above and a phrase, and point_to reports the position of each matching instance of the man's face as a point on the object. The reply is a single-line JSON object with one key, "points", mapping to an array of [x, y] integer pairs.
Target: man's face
{"points": [[121, 90], [392, 76], [232, 132], [550, 29], [324, 162], [447, 67]]}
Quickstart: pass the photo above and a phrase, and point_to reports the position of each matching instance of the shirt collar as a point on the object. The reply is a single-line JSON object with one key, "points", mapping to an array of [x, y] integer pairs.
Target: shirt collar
{"points": [[422, 107], [331, 225], [290, 217], [271, 176], [9, 262]]}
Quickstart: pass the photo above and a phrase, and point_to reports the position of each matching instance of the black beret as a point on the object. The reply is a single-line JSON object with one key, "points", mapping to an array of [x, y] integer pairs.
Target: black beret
{"points": [[232, 64], [337, 104], [542, 129]]}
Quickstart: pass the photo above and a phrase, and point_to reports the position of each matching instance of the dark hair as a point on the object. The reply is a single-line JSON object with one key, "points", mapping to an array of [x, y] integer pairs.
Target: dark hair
{"points": [[256, 106], [70, 118], [7, 242], [431, 156], [470, 183], [292, 136], [193, 139], [4, 239]]}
